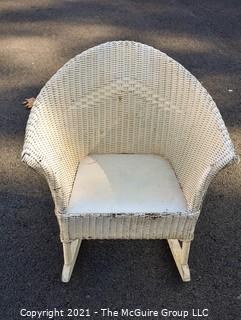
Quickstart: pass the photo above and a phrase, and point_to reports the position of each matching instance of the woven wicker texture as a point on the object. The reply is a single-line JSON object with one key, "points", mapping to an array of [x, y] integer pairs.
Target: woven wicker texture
{"points": [[126, 97]]}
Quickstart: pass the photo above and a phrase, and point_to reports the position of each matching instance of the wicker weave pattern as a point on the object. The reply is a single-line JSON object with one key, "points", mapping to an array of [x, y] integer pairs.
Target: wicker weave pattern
{"points": [[126, 97], [171, 226]]}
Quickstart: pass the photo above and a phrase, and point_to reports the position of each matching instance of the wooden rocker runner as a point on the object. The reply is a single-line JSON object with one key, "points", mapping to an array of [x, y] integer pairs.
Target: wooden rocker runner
{"points": [[128, 141]]}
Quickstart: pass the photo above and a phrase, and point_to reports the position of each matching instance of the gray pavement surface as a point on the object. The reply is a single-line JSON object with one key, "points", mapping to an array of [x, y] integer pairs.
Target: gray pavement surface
{"points": [[36, 39]]}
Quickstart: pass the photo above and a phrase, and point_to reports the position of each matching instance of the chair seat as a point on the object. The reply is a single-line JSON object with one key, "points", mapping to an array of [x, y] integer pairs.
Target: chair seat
{"points": [[125, 183]]}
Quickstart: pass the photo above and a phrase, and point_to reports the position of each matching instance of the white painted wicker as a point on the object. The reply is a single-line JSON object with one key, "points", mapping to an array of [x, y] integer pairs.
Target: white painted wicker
{"points": [[126, 97]]}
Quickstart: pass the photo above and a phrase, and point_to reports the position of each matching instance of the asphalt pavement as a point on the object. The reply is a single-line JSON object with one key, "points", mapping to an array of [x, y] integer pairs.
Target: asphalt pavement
{"points": [[36, 39]]}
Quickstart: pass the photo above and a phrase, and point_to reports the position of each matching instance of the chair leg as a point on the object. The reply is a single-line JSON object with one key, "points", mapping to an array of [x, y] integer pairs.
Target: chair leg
{"points": [[71, 250], [180, 254]]}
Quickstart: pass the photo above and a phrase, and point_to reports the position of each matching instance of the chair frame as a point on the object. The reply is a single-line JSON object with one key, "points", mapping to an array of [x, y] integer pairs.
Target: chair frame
{"points": [[70, 251], [192, 135], [179, 251]]}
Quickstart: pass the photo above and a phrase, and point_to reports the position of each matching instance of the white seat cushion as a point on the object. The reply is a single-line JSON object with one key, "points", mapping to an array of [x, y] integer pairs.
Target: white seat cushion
{"points": [[125, 183]]}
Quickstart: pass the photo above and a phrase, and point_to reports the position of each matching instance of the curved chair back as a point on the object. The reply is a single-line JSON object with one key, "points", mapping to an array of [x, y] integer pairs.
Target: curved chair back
{"points": [[127, 97]]}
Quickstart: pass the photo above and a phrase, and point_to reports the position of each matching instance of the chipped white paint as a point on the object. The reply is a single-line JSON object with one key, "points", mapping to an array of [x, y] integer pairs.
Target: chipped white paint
{"points": [[126, 97]]}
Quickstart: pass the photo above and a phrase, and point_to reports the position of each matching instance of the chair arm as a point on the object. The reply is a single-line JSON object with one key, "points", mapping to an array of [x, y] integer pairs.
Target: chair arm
{"points": [[50, 152], [204, 149], [60, 177], [196, 184]]}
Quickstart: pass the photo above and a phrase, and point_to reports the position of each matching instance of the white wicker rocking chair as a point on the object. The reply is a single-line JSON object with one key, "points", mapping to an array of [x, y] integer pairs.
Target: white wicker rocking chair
{"points": [[128, 141]]}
